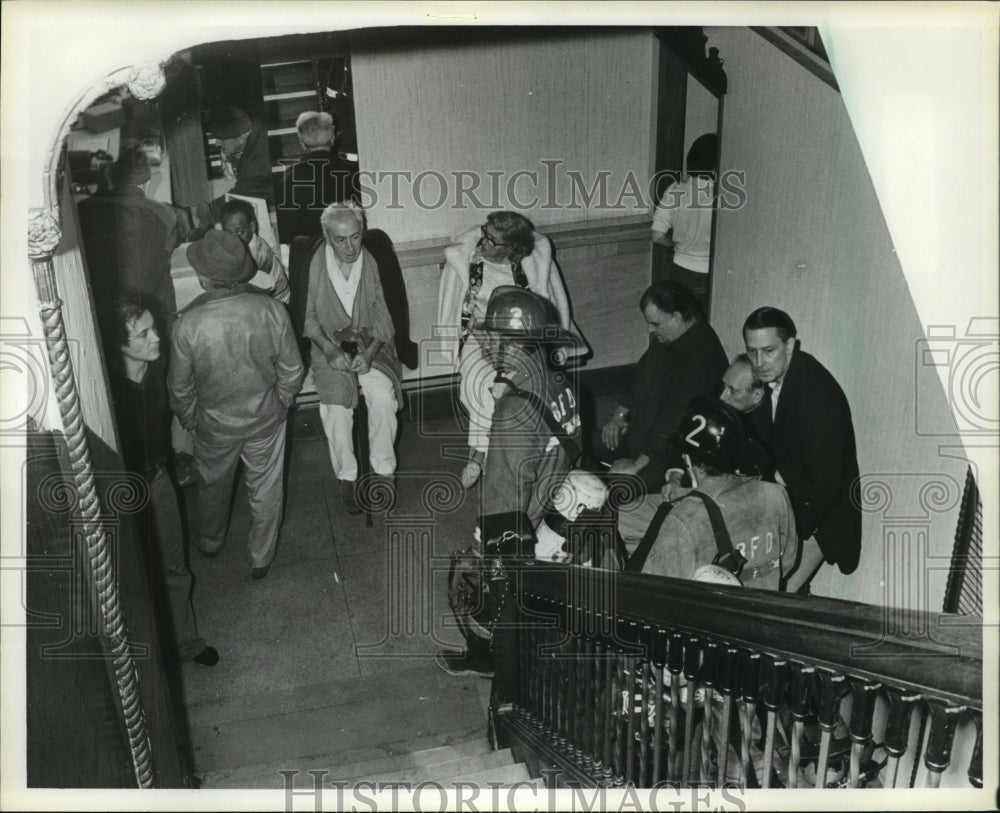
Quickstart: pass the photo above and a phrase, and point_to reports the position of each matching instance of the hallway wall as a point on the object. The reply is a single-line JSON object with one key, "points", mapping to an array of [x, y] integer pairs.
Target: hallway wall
{"points": [[811, 239], [505, 104]]}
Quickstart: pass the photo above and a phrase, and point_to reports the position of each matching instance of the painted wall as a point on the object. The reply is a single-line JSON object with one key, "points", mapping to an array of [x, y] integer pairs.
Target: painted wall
{"points": [[812, 240], [701, 113], [582, 102]]}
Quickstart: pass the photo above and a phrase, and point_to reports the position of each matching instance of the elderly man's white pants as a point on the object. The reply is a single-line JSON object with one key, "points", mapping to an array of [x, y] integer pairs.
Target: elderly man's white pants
{"points": [[338, 421]]}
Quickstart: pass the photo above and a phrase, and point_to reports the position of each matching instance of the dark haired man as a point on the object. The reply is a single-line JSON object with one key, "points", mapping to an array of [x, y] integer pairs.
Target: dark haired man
{"points": [[811, 438], [686, 360], [235, 369]]}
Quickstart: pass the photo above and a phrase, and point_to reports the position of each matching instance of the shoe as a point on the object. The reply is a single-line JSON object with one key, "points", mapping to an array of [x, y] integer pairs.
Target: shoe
{"points": [[348, 498], [208, 554], [259, 573], [471, 473], [209, 656], [455, 663]]}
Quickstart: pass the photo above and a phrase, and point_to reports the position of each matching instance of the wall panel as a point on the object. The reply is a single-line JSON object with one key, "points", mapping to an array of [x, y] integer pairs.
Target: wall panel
{"points": [[580, 101]]}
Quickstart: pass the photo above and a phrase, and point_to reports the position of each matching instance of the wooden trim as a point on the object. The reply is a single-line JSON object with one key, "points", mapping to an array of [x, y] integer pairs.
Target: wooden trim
{"points": [[416, 253], [809, 60], [919, 651]]}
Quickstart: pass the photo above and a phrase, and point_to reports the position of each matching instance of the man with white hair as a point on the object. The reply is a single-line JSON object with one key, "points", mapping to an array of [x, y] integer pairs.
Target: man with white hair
{"points": [[316, 180], [349, 325]]}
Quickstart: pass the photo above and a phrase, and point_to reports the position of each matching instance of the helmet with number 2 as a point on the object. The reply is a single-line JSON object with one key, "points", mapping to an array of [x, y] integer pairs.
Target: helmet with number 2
{"points": [[515, 311], [711, 432]]}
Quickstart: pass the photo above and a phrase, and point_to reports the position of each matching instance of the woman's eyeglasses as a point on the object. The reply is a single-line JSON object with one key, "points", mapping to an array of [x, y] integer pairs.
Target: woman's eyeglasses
{"points": [[489, 240]]}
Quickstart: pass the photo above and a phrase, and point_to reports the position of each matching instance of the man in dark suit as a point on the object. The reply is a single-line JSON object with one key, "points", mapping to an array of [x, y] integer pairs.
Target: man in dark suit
{"points": [[811, 438], [316, 180]]}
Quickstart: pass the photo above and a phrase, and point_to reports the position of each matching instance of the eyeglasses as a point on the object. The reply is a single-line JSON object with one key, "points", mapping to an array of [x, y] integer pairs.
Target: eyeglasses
{"points": [[489, 239]]}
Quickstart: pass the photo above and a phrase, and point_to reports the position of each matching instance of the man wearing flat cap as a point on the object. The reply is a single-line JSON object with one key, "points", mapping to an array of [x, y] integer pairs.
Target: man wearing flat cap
{"points": [[235, 369]]}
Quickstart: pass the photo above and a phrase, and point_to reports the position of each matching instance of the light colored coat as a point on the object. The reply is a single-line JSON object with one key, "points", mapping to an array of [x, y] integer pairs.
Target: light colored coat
{"points": [[543, 278]]}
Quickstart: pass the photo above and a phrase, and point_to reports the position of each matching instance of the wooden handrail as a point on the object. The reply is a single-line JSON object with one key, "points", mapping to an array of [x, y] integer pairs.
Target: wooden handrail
{"points": [[610, 678], [922, 651]]}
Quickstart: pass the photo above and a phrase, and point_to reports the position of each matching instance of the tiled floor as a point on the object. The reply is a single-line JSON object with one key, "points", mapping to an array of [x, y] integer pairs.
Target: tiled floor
{"points": [[332, 653]]}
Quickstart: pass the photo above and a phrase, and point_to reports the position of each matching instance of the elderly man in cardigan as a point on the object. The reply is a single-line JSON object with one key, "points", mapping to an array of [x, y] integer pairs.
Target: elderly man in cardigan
{"points": [[506, 250], [354, 354]]}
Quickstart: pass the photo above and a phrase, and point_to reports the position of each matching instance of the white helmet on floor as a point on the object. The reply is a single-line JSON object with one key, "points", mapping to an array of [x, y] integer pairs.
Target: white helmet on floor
{"points": [[579, 491], [716, 574]]}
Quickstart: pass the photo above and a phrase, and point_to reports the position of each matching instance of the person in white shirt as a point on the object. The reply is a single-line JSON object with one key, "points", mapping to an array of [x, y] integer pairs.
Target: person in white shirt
{"points": [[682, 219]]}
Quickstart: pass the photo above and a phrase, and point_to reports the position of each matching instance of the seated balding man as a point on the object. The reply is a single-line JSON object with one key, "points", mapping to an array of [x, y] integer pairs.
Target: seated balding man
{"points": [[810, 435]]}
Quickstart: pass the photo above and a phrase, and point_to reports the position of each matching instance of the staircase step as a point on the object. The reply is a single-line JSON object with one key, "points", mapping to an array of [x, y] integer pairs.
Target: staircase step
{"points": [[361, 713], [475, 763], [399, 754], [415, 759], [506, 775]]}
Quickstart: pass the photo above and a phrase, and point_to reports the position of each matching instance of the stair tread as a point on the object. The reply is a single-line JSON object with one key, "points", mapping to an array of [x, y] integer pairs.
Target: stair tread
{"points": [[398, 753], [473, 763], [399, 713], [505, 775], [414, 759]]}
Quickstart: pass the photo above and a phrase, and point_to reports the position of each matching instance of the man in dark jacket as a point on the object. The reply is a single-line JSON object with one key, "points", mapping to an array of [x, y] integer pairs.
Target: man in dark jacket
{"points": [[316, 180], [686, 360], [128, 239], [811, 438]]}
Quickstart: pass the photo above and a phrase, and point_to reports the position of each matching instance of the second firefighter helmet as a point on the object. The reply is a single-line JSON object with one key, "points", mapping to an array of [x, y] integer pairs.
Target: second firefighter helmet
{"points": [[711, 432]]}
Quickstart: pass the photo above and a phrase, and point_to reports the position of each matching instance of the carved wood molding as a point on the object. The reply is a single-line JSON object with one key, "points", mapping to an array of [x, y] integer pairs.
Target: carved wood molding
{"points": [[808, 51]]}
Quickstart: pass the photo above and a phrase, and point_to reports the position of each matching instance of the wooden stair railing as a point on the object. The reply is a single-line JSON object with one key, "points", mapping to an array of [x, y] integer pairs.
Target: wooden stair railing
{"points": [[607, 679]]}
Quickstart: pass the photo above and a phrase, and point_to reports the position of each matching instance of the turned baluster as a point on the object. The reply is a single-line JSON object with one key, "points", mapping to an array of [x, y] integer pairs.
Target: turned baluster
{"points": [[707, 678], [750, 686], [692, 658], [728, 681], [675, 665], [830, 691], [863, 696], [773, 674], [799, 695], [897, 729], [937, 755], [658, 656]]}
